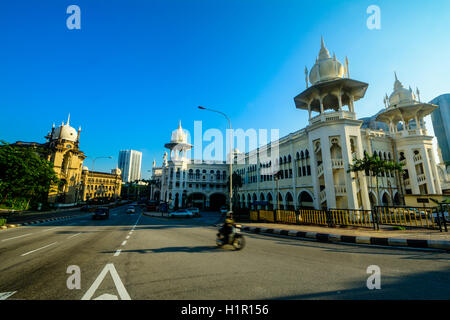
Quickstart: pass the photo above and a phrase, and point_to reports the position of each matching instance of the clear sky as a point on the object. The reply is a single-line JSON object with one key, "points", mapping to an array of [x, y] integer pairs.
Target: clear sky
{"points": [[138, 67]]}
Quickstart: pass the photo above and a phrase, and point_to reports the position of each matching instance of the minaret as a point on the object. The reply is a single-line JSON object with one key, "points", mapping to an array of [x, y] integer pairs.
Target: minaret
{"points": [[414, 144], [334, 134]]}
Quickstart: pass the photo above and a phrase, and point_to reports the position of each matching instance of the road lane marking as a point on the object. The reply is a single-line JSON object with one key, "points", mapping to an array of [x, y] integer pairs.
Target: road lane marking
{"points": [[6, 295], [39, 248], [124, 243], [128, 237], [74, 235], [117, 252], [50, 229], [117, 282], [17, 237]]}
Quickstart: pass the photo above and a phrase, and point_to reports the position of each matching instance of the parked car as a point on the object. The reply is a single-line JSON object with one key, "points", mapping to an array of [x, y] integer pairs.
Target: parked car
{"points": [[446, 217], [195, 211], [224, 209], [131, 209], [181, 213], [101, 213]]}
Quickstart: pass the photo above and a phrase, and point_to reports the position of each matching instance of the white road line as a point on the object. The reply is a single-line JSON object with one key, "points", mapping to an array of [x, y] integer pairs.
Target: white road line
{"points": [[117, 252], [128, 237], [74, 235], [124, 243], [6, 295], [24, 235], [50, 229], [39, 249]]}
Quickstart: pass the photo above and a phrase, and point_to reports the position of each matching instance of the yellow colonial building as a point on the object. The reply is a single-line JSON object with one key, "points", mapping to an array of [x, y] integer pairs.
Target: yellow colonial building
{"points": [[76, 182], [100, 184]]}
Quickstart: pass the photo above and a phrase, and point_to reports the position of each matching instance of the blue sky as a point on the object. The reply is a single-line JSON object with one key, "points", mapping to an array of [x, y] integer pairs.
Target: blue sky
{"points": [[138, 67]]}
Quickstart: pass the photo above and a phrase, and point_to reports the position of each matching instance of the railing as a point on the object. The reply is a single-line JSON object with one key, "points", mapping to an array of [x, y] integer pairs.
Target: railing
{"points": [[266, 215], [421, 178], [337, 163], [331, 116], [340, 190], [425, 218], [286, 216], [417, 158], [406, 217], [319, 170], [322, 196]]}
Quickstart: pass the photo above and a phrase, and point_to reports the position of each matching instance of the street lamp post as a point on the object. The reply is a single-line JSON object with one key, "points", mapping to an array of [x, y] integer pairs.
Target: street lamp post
{"points": [[231, 155], [93, 161]]}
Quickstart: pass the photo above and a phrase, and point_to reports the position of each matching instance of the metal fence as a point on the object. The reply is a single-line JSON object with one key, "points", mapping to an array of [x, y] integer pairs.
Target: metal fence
{"points": [[425, 218]]}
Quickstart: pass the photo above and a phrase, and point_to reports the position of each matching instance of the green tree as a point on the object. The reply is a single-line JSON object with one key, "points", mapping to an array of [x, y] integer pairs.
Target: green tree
{"points": [[374, 166], [237, 184], [25, 175]]}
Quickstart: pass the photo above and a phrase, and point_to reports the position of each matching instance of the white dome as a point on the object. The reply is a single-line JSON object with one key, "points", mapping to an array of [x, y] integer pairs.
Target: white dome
{"points": [[65, 132], [85, 168], [401, 95], [116, 171], [179, 136], [326, 68]]}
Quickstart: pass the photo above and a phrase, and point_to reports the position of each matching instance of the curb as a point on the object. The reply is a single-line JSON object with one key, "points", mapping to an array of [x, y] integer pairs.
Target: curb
{"points": [[325, 237], [38, 222]]}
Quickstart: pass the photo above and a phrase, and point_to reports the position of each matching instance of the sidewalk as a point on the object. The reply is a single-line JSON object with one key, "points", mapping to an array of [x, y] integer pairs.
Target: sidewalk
{"points": [[403, 238]]}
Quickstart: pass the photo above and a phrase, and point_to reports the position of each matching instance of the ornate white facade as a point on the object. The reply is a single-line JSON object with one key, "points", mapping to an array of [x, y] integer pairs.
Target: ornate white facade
{"points": [[184, 182], [314, 162]]}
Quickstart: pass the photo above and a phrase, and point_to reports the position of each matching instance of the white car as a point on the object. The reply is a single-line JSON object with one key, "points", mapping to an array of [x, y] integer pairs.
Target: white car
{"points": [[131, 209], [195, 211], [181, 213]]}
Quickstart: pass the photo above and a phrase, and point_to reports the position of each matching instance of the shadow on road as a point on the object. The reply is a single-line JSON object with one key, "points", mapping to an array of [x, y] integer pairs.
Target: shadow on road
{"points": [[337, 247], [433, 286], [198, 249]]}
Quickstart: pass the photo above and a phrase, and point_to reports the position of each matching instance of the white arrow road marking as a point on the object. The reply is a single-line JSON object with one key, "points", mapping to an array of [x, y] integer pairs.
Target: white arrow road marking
{"points": [[6, 295], [118, 283], [107, 296]]}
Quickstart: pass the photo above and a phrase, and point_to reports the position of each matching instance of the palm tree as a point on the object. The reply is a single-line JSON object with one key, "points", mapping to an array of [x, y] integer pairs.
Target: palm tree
{"points": [[398, 168], [373, 166]]}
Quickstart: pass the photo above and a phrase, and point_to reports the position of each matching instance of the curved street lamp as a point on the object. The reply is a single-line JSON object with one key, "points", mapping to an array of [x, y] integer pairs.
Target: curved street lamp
{"points": [[231, 154], [93, 161]]}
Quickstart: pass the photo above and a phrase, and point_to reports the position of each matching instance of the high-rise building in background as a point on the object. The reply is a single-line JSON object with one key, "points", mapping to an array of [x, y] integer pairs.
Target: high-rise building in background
{"points": [[441, 124], [130, 164]]}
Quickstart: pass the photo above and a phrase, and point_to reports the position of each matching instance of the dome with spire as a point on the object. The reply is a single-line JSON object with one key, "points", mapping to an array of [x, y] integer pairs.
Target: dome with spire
{"points": [[179, 136], [65, 132], [401, 95], [326, 67]]}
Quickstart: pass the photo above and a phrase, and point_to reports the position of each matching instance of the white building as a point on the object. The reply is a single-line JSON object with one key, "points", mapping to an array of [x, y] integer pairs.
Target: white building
{"points": [[314, 162], [183, 182], [130, 165]]}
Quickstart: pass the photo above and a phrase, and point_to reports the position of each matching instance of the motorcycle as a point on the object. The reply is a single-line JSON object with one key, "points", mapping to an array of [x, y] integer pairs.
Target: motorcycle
{"points": [[237, 240]]}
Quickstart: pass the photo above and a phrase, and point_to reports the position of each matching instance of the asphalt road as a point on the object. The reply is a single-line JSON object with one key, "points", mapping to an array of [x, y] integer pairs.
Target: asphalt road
{"points": [[139, 257]]}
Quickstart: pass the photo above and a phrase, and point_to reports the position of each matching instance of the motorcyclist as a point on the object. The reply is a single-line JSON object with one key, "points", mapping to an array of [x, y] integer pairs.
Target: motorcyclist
{"points": [[228, 229]]}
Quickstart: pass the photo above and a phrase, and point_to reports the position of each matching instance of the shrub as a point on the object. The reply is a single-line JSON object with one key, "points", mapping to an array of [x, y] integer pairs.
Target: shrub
{"points": [[2, 222]]}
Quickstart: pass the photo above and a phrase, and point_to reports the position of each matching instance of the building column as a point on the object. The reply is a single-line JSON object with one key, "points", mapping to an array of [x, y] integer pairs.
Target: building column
{"points": [[315, 180], [412, 171], [328, 172], [428, 171], [321, 105], [352, 197]]}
